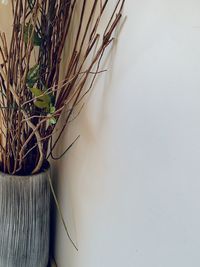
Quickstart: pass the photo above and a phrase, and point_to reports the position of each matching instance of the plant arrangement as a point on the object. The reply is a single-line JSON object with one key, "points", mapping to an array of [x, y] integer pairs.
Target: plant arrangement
{"points": [[36, 88]]}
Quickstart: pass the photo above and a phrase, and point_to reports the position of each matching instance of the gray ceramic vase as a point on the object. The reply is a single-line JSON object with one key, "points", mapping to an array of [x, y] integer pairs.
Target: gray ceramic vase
{"points": [[24, 220]]}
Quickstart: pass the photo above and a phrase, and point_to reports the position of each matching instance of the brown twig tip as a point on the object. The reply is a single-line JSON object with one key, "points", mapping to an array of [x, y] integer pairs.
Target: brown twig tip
{"points": [[40, 82]]}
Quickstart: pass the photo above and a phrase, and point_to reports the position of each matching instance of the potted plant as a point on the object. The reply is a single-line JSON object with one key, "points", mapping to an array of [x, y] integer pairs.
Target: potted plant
{"points": [[33, 97]]}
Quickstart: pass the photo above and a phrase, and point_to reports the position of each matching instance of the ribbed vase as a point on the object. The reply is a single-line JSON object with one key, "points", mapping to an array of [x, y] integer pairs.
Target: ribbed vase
{"points": [[24, 220]]}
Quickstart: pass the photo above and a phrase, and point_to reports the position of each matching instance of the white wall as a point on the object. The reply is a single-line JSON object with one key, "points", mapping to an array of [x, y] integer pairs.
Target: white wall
{"points": [[6, 20], [129, 188]]}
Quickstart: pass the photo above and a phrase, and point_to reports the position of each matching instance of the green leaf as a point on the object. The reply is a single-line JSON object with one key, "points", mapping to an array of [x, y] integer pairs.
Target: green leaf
{"points": [[41, 104], [33, 75], [52, 121], [30, 31], [42, 100], [52, 109]]}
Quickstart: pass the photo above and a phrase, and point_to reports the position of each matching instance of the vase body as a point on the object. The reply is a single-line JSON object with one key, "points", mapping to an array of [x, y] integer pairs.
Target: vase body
{"points": [[24, 220]]}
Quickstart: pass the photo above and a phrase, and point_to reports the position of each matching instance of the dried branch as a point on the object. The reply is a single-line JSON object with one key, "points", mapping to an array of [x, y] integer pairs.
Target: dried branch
{"points": [[34, 92]]}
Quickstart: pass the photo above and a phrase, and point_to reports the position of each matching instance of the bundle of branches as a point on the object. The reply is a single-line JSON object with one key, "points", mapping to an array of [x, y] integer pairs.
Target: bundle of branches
{"points": [[33, 93]]}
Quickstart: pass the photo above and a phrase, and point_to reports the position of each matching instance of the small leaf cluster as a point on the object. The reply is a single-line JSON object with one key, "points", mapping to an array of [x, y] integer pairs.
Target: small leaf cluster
{"points": [[43, 99], [31, 33]]}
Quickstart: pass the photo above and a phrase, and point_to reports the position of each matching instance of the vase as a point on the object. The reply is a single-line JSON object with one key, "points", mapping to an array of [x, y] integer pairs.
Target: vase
{"points": [[24, 220]]}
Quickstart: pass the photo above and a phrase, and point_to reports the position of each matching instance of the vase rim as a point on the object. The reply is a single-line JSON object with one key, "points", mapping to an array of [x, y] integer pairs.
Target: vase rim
{"points": [[43, 171]]}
